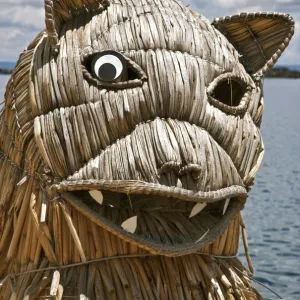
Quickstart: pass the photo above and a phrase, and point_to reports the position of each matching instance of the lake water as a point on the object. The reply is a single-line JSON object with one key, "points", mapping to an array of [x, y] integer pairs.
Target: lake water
{"points": [[272, 214], [3, 81]]}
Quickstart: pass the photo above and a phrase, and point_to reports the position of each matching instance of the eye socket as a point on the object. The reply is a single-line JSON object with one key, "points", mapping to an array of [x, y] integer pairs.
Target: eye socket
{"points": [[111, 70], [230, 94], [108, 66]]}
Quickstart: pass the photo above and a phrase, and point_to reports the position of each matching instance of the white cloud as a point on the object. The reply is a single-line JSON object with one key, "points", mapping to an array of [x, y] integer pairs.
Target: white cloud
{"points": [[291, 55], [20, 22], [26, 16], [231, 3]]}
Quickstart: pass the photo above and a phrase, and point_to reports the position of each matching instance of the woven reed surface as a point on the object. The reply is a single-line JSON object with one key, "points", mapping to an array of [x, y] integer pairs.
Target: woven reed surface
{"points": [[260, 37], [166, 133]]}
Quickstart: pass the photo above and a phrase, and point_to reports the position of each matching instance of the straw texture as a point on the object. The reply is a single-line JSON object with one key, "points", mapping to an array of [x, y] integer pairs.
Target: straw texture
{"points": [[165, 140], [260, 37]]}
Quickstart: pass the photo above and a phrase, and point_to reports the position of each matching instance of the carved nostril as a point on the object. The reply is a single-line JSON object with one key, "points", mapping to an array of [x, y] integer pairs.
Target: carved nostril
{"points": [[175, 167], [196, 175], [194, 169], [169, 167]]}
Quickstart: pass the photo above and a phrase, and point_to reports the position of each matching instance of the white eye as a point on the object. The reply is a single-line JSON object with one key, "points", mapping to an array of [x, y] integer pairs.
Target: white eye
{"points": [[109, 66]]}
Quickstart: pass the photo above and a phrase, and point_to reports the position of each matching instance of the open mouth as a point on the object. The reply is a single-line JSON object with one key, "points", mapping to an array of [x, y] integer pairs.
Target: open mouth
{"points": [[168, 186], [165, 224]]}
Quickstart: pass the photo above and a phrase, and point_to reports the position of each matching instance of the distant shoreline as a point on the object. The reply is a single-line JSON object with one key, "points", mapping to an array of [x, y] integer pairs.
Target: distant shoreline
{"points": [[5, 71], [279, 72], [283, 72]]}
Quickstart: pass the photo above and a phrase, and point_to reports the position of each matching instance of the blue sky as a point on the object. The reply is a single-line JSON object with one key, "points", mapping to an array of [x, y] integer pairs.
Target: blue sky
{"points": [[21, 20]]}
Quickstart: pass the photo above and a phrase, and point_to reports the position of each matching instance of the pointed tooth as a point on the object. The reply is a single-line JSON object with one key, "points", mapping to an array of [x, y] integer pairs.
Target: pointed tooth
{"points": [[197, 208], [202, 237], [226, 205], [179, 183], [130, 224], [97, 195]]}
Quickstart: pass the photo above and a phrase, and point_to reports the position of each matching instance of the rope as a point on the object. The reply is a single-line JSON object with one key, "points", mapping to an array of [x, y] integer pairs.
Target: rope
{"points": [[258, 282], [13, 276]]}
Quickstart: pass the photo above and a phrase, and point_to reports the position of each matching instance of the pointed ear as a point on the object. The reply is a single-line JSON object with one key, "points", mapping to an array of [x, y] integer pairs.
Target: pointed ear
{"points": [[59, 12], [260, 38]]}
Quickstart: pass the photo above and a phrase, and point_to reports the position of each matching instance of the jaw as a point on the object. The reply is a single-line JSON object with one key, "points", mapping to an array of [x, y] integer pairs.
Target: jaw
{"points": [[158, 174], [164, 222]]}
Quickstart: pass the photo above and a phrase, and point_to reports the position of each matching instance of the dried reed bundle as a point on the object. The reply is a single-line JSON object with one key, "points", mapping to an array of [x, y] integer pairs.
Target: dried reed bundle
{"points": [[129, 141]]}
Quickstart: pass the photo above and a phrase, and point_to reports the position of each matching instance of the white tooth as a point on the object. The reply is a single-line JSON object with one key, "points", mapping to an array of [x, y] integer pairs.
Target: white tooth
{"points": [[179, 183], [226, 205], [97, 195], [202, 237], [130, 224], [197, 208]]}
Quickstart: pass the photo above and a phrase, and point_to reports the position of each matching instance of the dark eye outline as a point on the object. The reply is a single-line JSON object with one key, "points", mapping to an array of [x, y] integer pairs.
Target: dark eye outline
{"points": [[241, 108], [93, 79]]}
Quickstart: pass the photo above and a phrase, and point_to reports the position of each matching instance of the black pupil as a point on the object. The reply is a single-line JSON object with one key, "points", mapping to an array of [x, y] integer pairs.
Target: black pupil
{"points": [[107, 72]]}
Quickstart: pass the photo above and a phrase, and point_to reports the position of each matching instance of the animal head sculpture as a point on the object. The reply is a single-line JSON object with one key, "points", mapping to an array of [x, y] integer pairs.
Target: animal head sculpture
{"points": [[131, 129], [142, 111]]}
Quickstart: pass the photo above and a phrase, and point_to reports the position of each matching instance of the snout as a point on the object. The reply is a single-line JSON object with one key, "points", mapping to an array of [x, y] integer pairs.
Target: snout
{"points": [[167, 153]]}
